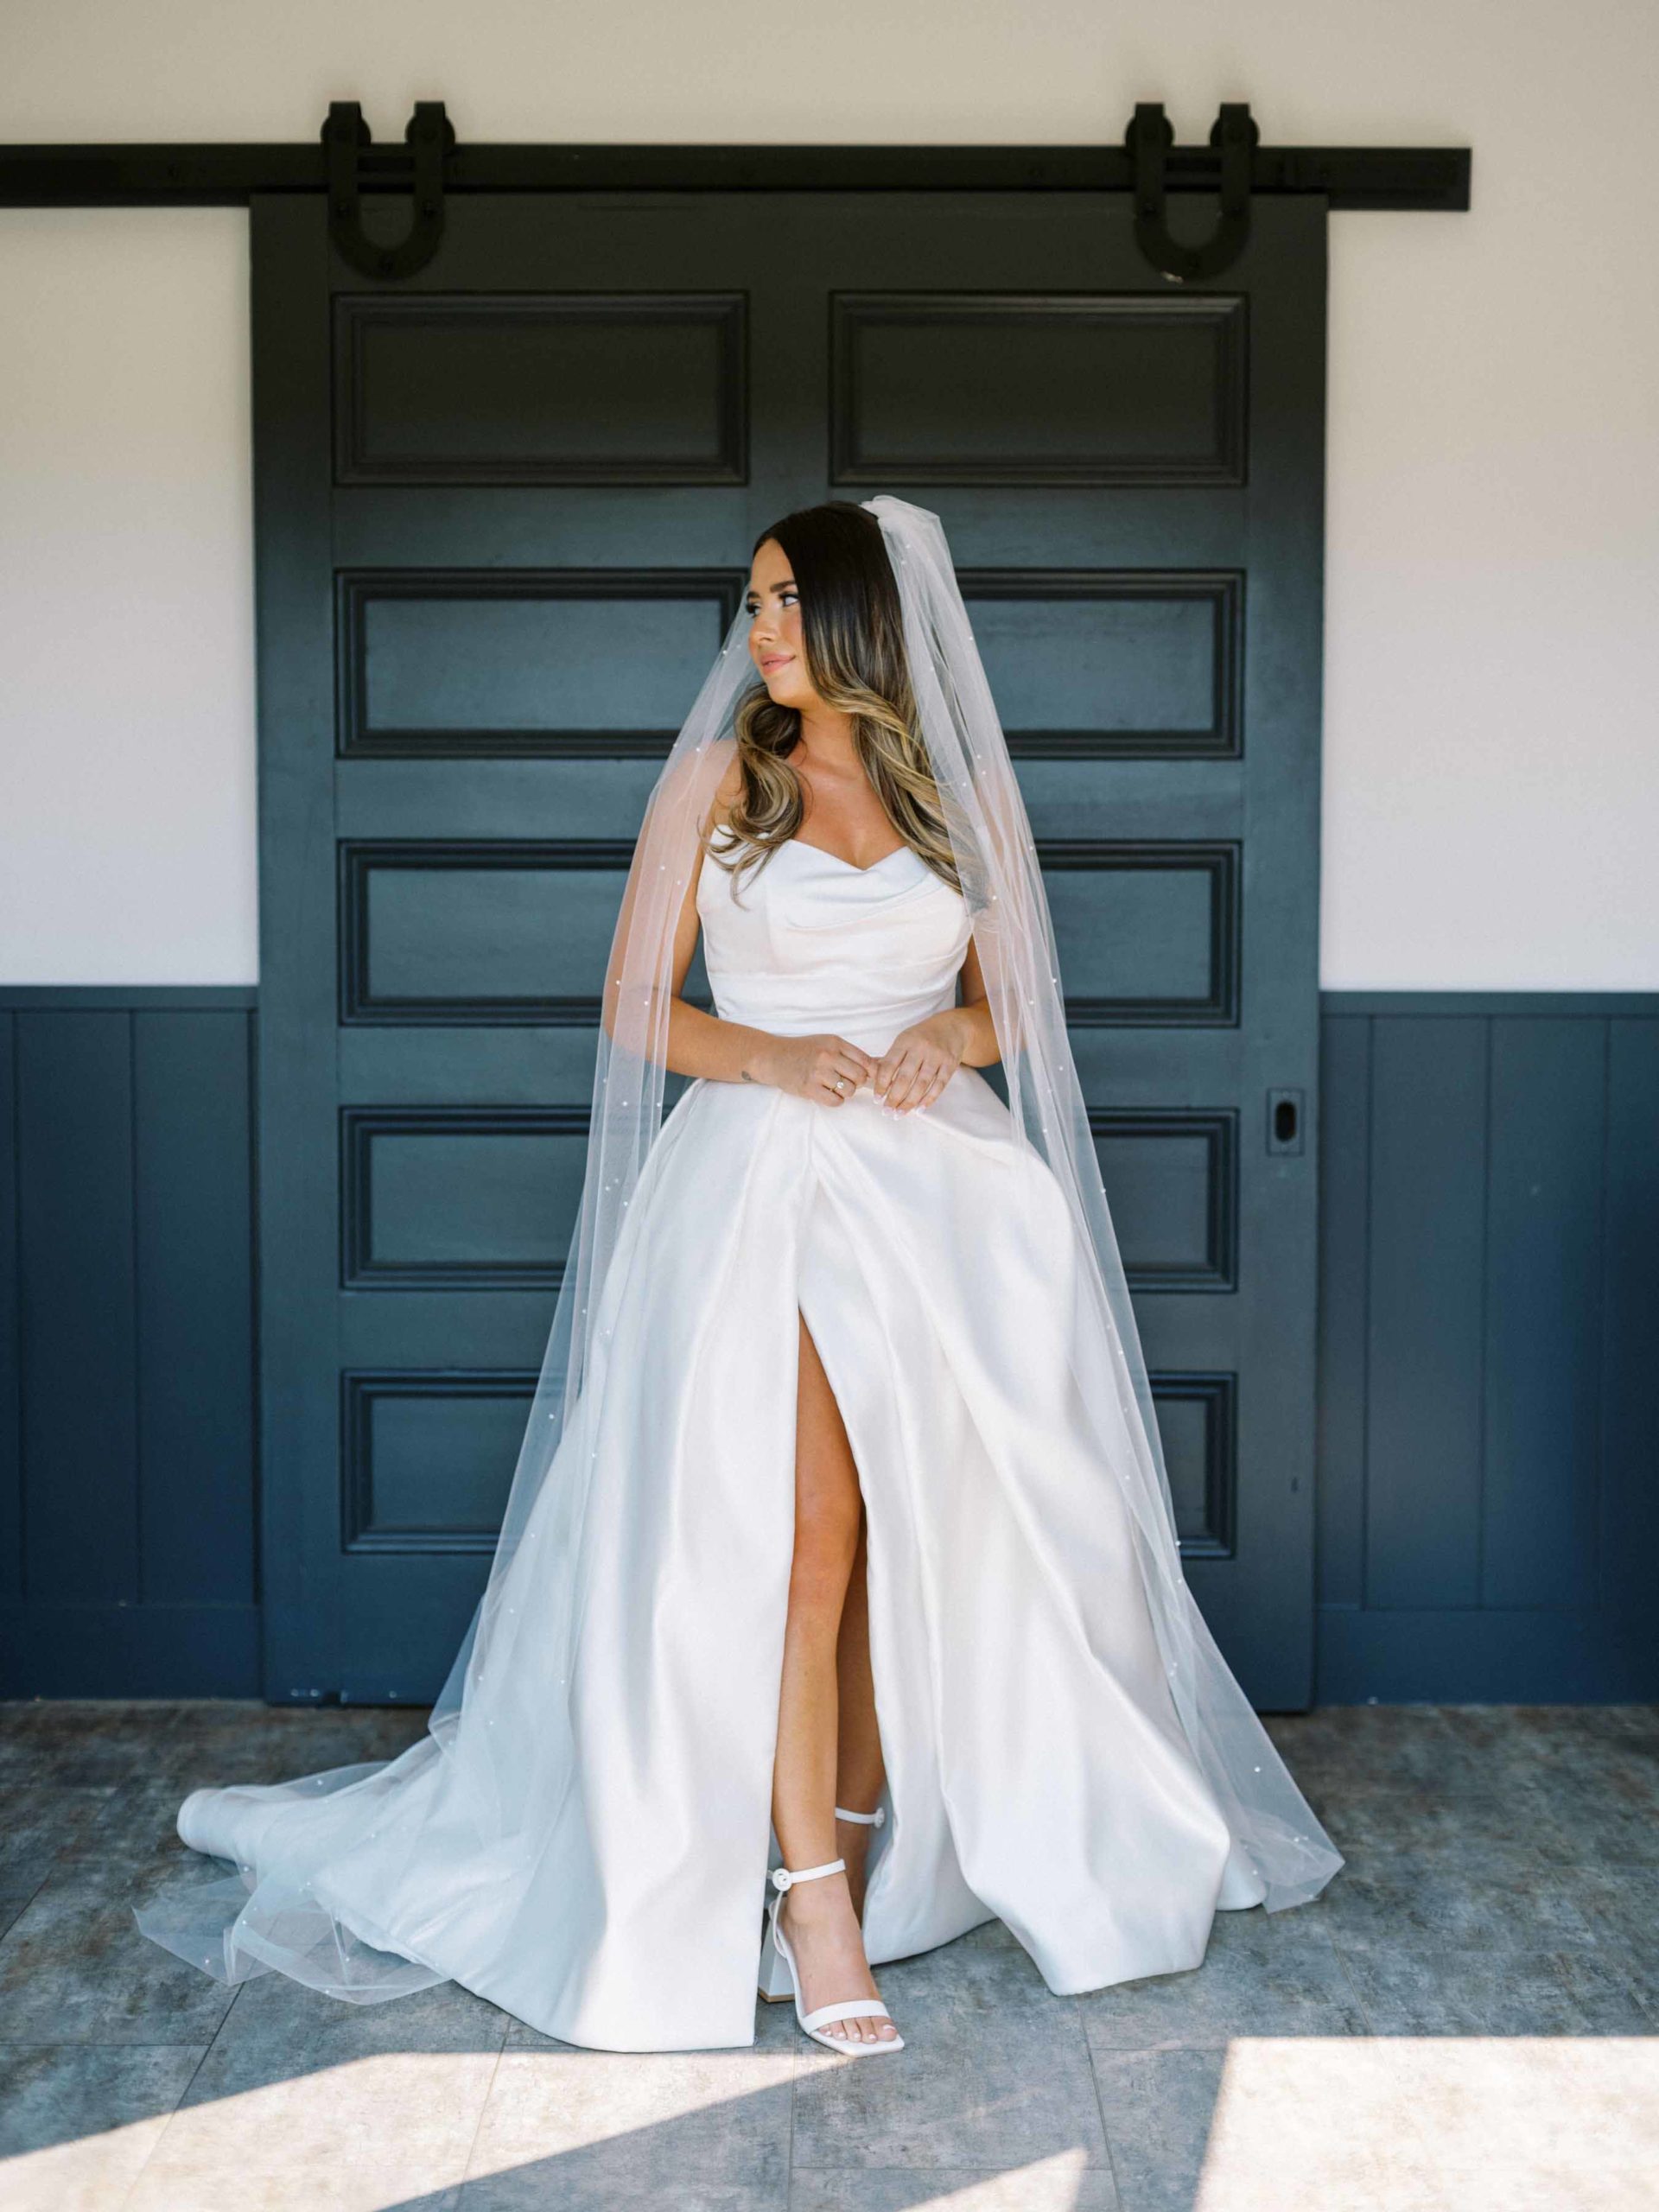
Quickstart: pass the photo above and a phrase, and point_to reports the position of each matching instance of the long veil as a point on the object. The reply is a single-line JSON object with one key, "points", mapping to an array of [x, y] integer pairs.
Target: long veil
{"points": [[498, 1756]]}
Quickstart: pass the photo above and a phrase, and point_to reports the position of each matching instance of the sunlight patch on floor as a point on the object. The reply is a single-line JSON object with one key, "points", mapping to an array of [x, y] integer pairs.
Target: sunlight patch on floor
{"points": [[361, 2136], [1408, 2124], [1299, 2124]]}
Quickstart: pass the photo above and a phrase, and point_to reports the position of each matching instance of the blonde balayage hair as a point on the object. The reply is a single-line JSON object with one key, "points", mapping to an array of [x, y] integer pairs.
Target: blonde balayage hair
{"points": [[851, 635]]}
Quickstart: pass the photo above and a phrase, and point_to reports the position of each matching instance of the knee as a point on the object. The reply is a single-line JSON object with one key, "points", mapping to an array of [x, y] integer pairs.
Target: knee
{"points": [[826, 1543]]}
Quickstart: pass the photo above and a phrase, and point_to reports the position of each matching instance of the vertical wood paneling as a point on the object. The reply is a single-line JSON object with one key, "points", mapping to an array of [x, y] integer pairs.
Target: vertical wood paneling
{"points": [[11, 1441], [79, 1328], [127, 1491], [1513, 1155], [195, 1314], [1629, 1362], [1543, 1312], [1345, 1191], [127, 1566], [1423, 1413]]}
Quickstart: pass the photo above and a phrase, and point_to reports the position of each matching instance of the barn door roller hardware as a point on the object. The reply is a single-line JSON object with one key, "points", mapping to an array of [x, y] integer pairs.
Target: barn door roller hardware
{"points": [[1149, 137], [345, 140]]}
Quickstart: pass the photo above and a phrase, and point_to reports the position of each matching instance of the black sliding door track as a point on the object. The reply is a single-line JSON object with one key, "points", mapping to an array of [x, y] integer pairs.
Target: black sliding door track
{"points": [[1430, 177]]}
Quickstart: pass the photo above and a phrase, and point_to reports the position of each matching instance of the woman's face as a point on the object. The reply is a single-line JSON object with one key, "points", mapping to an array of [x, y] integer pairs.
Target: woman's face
{"points": [[775, 645]]}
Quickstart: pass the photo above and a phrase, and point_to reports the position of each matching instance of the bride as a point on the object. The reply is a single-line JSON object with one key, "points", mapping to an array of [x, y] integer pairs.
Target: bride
{"points": [[839, 1569]]}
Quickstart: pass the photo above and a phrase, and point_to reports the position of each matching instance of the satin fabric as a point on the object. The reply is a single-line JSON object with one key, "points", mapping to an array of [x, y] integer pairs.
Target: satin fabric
{"points": [[1037, 1769]]}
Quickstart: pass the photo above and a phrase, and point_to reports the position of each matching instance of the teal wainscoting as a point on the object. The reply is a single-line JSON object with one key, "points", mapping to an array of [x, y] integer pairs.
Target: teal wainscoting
{"points": [[1489, 1353], [1489, 1418], [128, 1483]]}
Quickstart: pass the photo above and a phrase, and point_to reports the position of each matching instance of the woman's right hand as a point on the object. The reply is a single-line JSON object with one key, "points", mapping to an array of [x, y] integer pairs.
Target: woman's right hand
{"points": [[826, 1070]]}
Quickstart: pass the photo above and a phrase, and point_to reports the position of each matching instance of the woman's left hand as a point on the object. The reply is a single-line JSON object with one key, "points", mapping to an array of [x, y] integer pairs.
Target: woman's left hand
{"points": [[919, 1062]]}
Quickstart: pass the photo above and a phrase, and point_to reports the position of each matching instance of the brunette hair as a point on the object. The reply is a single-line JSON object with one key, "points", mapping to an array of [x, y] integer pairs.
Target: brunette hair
{"points": [[852, 634]]}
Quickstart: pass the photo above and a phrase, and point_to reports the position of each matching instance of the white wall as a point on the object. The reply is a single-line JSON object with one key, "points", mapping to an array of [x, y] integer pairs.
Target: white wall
{"points": [[1491, 652], [127, 805]]}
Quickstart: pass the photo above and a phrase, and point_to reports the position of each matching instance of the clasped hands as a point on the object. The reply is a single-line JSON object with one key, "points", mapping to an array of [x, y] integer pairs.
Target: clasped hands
{"points": [[909, 1075]]}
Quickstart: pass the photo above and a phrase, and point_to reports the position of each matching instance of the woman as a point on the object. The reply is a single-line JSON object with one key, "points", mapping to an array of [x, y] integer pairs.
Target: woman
{"points": [[840, 1523]]}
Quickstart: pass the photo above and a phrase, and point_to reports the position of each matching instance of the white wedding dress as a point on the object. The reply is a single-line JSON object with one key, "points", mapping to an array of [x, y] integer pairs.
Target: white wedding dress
{"points": [[1036, 1768]]}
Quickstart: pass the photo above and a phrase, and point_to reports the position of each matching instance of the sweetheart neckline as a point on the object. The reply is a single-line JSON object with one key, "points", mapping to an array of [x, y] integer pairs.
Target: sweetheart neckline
{"points": [[825, 852]]}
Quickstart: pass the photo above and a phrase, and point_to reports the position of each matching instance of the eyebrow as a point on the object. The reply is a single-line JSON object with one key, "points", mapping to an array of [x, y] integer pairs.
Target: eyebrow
{"points": [[786, 583]]}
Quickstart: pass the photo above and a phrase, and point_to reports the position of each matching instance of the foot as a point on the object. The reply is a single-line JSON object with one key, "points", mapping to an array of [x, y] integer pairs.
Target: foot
{"points": [[853, 1844], [822, 1930]]}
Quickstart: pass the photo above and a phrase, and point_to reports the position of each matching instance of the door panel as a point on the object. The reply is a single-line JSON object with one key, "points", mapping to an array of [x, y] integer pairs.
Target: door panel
{"points": [[504, 516]]}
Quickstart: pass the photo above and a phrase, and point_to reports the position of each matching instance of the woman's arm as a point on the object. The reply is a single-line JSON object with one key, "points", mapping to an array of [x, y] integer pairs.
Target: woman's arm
{"points": [[699, 1043], [972, 1017]]}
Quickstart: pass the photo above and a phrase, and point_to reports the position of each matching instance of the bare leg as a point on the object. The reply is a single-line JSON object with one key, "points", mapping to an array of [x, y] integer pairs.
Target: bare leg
{"points": [[817, 1916], [859, 1770]]}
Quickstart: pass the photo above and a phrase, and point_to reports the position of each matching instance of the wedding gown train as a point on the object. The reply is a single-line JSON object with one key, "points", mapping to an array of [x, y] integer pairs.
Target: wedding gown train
{"points": [[1037, 1769]]}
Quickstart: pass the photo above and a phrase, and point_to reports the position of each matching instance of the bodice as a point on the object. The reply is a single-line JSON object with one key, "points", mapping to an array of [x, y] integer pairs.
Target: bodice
{"points": [[806, 942]]}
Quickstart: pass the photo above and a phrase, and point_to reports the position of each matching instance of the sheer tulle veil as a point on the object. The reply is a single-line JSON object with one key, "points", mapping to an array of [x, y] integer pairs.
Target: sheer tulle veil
{"points": [[500, 1727]]}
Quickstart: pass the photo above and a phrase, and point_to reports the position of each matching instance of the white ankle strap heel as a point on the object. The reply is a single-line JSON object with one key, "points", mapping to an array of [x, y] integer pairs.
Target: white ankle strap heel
{"points": [[854, 2008]]}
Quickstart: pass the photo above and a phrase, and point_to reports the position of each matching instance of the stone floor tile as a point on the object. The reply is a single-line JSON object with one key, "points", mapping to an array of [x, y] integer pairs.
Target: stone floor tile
{"points": [[79, 1742], [1616, 1826], [1432, 1989], [43, 1820], [1263, 1973], [228, 1740], [1062, 2183], [1538, 2124], [994, 2071], [1500, 1897], [261, 2130], [1384, 2125], [1268, 2125], [132, 1846], [74, 1968], [1483, 1889], [276, 2015], [1158, 2106], [1432, 1816], [1622, 1900], [1391, 1746], [78, 2121], [588, 2131], [12, 1903]]}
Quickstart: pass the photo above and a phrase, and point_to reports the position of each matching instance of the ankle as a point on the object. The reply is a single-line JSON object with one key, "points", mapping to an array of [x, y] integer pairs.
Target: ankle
{"points": [[816, 1904]]}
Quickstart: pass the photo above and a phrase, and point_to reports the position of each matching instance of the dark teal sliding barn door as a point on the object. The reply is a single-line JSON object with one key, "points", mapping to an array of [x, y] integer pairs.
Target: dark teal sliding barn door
{"points": [[504, 515]]}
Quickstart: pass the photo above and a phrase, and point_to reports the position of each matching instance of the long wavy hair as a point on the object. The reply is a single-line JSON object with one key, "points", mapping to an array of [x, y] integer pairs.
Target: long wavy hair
{"points": [[851, 635]]}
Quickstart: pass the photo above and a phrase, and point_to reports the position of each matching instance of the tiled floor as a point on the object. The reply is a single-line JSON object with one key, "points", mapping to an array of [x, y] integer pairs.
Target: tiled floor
{"points": [[1468, 2019]]}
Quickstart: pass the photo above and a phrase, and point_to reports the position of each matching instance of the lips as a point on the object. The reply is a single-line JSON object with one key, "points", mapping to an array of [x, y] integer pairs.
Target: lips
{"points": [[774, 660]]}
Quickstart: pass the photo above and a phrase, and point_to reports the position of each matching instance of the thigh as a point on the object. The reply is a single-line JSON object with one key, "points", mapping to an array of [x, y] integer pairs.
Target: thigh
{"points": [[827, 1497]]}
